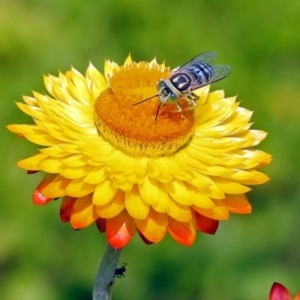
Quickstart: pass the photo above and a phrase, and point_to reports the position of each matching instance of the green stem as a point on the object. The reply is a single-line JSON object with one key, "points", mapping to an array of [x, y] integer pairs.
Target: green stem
{"points": [[105, 276]]}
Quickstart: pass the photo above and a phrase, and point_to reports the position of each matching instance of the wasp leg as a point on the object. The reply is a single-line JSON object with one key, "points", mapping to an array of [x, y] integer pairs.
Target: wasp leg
{"points": [[192, 98], [179, 107], [180, 110], [195, 97]]}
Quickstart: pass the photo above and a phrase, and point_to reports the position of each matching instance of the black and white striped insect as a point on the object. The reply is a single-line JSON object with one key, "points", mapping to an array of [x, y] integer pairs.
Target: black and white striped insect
{"points": [[194, 74]]}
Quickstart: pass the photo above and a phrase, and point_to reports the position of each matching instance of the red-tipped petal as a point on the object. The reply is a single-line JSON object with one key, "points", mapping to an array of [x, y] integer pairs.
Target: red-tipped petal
{"points": [[183, 233], [279, 292], [66, 208], [206, 224], [29, 172], [38, 197], [119, 230], [146, 241], [101, 224]]}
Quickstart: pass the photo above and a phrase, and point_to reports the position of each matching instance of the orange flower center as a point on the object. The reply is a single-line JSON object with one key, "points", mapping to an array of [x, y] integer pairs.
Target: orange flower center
{"points": [[133, 129]]}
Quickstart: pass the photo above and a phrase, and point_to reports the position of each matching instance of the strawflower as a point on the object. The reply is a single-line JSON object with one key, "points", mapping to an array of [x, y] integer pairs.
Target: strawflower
{"points": [[280, 292], [113, 165]]}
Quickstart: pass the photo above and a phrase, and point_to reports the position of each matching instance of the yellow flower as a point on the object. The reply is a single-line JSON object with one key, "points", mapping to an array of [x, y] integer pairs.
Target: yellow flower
{"points": [[114, 165]]}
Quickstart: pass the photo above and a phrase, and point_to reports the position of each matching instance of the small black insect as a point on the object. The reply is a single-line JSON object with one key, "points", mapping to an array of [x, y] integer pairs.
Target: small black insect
{"points": [[119, 272]]}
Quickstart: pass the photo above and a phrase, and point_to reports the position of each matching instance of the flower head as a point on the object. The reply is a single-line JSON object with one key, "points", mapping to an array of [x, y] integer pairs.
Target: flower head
{"points": [[280, 292], [112, 164]]}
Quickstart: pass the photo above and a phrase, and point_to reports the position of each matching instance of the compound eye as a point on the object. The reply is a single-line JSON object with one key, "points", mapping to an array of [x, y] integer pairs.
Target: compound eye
{"points": [[173, 97], [160, 84]]}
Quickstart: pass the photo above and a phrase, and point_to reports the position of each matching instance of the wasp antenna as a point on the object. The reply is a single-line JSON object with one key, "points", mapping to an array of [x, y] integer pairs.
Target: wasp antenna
{"points": [[157, 112], [145, 100]]}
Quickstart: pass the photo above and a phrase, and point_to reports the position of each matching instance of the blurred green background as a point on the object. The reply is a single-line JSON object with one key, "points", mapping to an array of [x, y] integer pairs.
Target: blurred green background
{"points": [[41, 258]]}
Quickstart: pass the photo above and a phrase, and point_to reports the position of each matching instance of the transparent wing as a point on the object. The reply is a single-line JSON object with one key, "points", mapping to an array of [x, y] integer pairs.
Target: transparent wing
{"points": [[205, 57], [220, 72]]}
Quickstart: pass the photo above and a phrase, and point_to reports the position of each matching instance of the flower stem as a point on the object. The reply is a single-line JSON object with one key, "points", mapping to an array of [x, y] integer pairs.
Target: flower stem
{"points": [[106, 273]]}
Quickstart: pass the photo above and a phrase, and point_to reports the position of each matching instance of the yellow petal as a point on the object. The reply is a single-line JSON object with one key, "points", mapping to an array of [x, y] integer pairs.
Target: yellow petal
{"points": [[128, 60], [54, 151], [124, 186], [109, 67], [77, 188], [230, 187], [97, 82], [75, 173], [113, 207], [34, 134], [32, 111], [104, 192], [149, 191], [178, 191], [217, 213], [199, 199], [181, 213], [50, 165], [32, 163], [56, 188], [135, 205], [96, 175], [163, 204]]}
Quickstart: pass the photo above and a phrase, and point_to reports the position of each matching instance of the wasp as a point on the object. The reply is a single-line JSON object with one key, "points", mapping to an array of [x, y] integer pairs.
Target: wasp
{"points": [[183, 80]]}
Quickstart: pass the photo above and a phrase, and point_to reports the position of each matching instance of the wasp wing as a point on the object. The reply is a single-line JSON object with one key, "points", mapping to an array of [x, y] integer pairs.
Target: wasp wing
{"points": [[205, 57], [220, 72]]}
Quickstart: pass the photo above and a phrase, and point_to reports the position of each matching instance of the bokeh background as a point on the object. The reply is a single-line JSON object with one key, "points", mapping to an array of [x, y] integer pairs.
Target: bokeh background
{"points": [[41, 258]]}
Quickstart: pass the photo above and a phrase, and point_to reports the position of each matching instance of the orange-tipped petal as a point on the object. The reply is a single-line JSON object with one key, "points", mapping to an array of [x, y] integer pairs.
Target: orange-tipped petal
{"points": [[83, 212], [237, 203], [154, 227], [183, 233], [66, 208], [206, 224], [119, 230], [279, 292], [217, 213]]}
